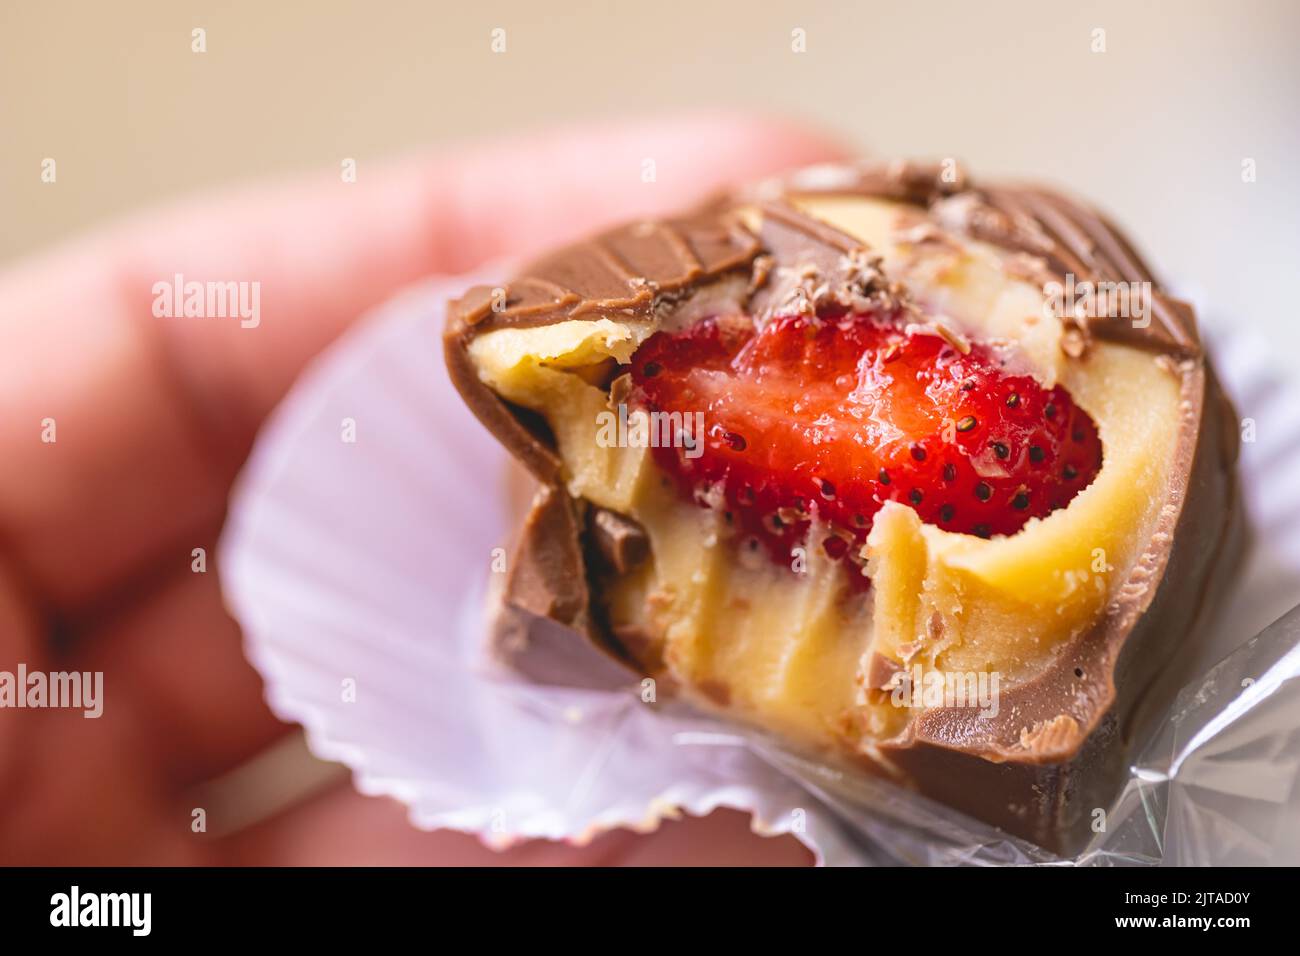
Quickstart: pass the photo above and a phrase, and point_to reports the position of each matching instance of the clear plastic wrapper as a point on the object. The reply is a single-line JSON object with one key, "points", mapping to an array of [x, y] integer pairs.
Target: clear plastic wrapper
{"points": [[359, 555]]}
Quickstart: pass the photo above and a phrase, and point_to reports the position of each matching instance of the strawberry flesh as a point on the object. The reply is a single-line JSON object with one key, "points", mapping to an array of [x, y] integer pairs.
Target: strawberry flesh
{"points": [[831, 416]]}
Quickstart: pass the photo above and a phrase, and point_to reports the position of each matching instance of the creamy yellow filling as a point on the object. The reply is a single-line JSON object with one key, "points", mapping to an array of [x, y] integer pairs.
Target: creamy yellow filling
{"points": [[791, 647]]}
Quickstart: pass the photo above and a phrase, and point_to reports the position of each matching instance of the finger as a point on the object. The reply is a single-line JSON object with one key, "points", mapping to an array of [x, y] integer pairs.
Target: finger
{"points": [[22, 642], [196, 705], [80, 791], [178, 704], [151, 416]]}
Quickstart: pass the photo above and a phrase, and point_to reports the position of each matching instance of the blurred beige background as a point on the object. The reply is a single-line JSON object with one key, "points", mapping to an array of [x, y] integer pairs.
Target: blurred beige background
{"points": [[1155, 128]]}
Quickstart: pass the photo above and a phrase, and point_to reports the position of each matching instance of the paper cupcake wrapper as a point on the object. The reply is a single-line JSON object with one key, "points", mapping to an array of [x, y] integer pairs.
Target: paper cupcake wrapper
{"points": [[358, 555]]}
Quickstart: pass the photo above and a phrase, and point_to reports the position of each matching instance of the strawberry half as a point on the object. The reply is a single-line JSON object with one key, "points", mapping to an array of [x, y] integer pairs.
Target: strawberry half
{"points": [[834, 415]]}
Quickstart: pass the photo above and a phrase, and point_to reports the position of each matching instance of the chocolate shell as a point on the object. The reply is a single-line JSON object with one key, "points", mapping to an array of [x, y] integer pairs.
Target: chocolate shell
{"points": [[1057, 750]]}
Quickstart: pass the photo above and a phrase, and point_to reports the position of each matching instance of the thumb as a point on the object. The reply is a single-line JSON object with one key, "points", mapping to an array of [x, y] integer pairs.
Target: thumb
{"points": [[324, 249], [169, 406]]}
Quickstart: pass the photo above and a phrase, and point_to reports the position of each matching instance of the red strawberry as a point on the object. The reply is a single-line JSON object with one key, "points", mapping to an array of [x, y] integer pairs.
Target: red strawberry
{"points": [[836, 415]]}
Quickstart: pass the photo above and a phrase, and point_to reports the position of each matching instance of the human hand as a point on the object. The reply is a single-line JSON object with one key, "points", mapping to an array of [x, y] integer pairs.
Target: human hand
{"points": [[155, 416]]}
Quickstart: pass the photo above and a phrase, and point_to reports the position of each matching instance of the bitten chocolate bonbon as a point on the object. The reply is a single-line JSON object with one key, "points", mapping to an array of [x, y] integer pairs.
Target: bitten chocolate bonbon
{"points": [[625, 568]]}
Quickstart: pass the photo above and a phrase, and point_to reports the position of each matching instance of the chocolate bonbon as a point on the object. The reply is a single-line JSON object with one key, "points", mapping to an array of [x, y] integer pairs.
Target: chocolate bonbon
{"points": [[1075, 620]]}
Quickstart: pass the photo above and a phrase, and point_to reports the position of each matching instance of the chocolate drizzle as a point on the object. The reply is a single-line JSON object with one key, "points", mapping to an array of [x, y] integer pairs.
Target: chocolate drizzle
{"points": [[625, 273], [633, 272], [1066, 236]]}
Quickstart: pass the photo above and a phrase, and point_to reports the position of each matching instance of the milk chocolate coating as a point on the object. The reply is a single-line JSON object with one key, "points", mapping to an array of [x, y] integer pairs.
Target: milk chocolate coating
{"points": [[547, 600], [1056, 751], [623, 274]]}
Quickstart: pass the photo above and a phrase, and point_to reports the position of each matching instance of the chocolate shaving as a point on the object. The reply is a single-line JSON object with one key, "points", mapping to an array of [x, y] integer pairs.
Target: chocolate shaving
{"points": [[882, 672], [621, 541], [818, 265]]}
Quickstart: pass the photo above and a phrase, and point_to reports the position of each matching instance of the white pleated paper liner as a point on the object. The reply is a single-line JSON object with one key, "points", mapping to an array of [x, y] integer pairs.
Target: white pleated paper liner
{"points": [[357, 557]]}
